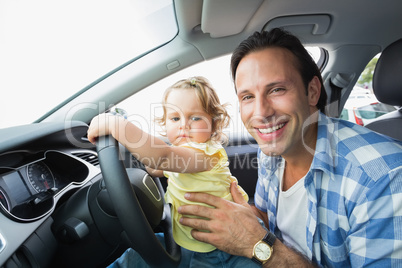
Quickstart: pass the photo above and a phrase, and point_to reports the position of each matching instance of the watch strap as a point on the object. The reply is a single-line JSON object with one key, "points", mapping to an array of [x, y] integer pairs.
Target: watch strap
{"points": [[257, 261], [269, 238]]}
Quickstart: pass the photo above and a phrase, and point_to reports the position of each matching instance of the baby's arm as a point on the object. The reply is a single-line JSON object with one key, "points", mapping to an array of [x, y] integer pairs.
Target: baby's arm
{"points": [[150, 150], [155, 172]]}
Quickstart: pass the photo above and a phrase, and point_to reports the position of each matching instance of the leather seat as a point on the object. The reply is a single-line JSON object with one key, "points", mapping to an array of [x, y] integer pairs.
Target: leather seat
{"points": [[387, 86]]}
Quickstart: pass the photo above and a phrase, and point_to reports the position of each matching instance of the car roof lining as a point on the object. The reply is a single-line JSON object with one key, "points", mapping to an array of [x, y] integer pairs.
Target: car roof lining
{"points": [[217, 16], [215, 24]]}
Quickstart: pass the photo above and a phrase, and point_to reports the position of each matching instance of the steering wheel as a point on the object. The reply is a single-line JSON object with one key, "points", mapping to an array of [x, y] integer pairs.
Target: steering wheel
{"points": [[129, 210]]}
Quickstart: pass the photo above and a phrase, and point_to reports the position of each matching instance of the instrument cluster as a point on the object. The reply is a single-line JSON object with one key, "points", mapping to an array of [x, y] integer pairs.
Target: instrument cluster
{"points": [[27, 192]]}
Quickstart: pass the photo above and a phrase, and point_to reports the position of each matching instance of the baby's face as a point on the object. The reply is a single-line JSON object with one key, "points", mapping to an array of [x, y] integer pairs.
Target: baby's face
{"points": [[186, 119]]}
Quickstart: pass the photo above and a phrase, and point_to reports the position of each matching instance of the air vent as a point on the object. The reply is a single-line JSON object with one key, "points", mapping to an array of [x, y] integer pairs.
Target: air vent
{"points": [[88, 157]]}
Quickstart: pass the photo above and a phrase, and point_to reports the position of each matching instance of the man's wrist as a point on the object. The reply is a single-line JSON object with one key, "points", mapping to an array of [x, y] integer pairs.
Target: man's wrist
{"points": [[259, 234]]}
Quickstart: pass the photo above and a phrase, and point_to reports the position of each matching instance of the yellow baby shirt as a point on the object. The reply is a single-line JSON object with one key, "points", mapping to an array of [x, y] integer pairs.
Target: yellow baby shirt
{"points": [[215, 181]]}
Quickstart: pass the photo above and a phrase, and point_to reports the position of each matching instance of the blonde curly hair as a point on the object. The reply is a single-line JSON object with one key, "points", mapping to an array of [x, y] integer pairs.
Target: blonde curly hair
{"points": [[209, 101]]}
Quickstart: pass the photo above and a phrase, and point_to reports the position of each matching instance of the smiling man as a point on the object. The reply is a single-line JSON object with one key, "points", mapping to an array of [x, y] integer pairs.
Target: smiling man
{"points": [[274, 106], [328, 190]]}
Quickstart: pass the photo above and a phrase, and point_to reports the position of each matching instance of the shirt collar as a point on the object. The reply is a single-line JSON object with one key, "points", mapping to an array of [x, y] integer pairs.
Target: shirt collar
{"points": [[325, 150]]}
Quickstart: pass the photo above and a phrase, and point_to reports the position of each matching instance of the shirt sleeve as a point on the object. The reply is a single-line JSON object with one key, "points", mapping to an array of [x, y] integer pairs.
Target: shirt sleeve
{"points": [[375, 235]]}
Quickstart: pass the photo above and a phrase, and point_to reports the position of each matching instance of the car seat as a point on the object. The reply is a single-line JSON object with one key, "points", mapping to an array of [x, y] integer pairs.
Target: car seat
{"points": [[387, 86]]}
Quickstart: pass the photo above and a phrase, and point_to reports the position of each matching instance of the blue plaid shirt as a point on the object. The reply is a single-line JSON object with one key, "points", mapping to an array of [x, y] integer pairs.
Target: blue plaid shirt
{"points": [[354, 189]]}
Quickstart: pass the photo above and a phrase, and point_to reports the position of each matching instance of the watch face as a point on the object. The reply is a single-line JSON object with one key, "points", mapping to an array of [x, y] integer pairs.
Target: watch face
{"points": [[262, 251]]}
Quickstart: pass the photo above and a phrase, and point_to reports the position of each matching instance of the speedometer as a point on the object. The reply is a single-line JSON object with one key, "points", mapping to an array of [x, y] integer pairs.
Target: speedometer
{"points": [[40, 177]]}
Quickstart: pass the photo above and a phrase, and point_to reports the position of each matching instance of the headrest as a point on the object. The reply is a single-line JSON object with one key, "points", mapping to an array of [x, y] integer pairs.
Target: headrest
{"points": [[387, 78]]}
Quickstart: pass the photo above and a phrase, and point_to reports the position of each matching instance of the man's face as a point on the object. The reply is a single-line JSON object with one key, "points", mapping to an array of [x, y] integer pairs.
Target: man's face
{"points": [[273, 101]]}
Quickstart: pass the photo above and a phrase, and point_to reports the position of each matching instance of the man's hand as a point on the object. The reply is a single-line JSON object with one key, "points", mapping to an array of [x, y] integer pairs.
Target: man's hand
{"points": [[232, 226]]}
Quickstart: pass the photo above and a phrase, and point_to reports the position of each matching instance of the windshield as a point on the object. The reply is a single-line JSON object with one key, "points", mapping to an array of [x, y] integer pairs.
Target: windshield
{"points": [[50, 49]]}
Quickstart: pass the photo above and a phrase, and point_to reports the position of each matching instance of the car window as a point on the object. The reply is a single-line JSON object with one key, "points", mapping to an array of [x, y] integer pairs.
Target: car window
{"points": [[142, 109], [362, 107], [56, 54], [143, 106]]}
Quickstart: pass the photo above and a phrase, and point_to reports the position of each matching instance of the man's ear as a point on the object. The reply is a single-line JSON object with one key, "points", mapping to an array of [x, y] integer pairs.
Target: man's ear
{"points": [[314, 91]]}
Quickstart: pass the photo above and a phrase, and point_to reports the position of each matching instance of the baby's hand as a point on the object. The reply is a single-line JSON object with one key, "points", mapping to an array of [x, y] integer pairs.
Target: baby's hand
{"points": [[101, 125]]}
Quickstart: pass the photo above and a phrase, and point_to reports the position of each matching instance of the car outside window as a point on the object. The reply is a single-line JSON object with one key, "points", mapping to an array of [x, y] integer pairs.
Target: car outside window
{"points": [[362, 107]]}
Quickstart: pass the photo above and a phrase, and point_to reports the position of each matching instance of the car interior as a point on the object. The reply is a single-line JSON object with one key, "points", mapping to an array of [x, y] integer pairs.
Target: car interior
{"points": [[385, 84], [67, 203]]}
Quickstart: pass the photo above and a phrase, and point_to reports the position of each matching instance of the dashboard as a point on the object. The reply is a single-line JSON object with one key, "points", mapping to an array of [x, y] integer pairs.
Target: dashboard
{"points": [[28, 192], [54, 204], [41, 167]]}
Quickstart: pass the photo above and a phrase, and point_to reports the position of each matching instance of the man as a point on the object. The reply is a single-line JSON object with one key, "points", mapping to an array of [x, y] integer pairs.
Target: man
{"points": [[329, 191]]}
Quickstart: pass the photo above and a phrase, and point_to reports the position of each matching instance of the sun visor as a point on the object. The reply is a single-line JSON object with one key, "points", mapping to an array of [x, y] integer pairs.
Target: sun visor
{"points": [[302, 24], [227, 17]]}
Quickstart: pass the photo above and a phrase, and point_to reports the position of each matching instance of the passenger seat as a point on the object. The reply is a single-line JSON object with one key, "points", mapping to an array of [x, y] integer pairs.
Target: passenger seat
{"points": [[387, 86]]}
